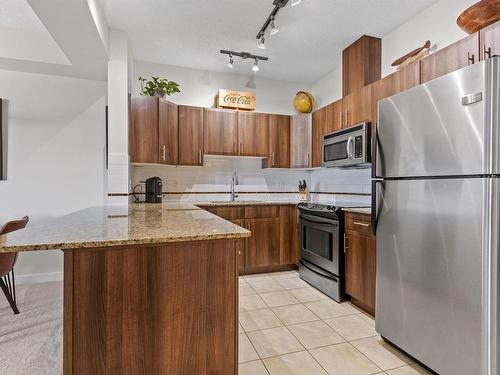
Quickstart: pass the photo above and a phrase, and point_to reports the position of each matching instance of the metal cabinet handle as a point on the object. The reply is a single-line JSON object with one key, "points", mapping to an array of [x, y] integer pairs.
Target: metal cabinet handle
{"points": [[362, 224], [347, 117], [273, 163], [345, 243], [308, 163], [199, 155], [234, 147], [487, 52], [164, 152], [341, 119], [470, 58]]}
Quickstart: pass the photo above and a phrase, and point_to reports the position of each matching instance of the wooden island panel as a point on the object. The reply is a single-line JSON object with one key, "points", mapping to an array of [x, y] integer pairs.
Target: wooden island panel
{"points": [[152, 309]]}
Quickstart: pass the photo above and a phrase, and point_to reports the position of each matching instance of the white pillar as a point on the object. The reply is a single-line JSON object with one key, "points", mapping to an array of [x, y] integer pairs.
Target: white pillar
{"points": [[118, 166]]}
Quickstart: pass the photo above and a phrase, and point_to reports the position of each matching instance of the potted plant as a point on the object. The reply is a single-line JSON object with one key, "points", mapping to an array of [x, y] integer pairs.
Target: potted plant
{"points": [[157, 86]]}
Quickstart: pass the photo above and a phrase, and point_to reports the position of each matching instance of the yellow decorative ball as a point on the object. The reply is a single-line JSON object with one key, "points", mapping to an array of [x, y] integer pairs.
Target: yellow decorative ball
{"points": [[303, 102]]}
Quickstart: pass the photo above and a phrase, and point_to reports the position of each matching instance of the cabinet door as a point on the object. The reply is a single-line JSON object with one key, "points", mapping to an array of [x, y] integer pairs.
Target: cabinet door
{"points": [[168, 132], [360, 267], [454, 57], [279, 142], [143, 132], [358, 107], [190, 135], [253, 138], [289, 235], [300, 140], [220, 131], [263, 246], [490, 41], [318, 127], [335, 116]]}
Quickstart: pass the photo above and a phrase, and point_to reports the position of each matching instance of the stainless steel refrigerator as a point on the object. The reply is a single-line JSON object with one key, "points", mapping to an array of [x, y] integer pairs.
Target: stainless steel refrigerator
{"points": [[436, 210]]}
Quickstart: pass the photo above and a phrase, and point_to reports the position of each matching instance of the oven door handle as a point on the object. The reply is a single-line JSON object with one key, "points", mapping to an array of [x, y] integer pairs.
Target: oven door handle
{"points": [[318, 219], [318, 271]]}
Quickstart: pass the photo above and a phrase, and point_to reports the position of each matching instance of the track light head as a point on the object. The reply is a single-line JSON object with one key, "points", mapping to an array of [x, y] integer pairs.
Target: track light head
{"points": [[230, 63], [255, 66], [274, 29], [261, 43], [295, 2]]}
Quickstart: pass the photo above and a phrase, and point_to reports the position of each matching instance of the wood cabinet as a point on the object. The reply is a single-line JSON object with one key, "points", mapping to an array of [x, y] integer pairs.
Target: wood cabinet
{"points": [[360, 261], [168, 132], [289, 235], [263, 246], [274, 244], [220, 131], [361, 64], [319, 119], [300, 140], [253, 135], [190, 135], [335, 116], [279, 142], [490, 41], [456, 56], [143, 130], [358, 107]]}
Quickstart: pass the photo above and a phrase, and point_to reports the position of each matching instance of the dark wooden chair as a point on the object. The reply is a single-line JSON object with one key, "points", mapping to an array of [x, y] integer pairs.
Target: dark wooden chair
{"points": [[7, 262]]}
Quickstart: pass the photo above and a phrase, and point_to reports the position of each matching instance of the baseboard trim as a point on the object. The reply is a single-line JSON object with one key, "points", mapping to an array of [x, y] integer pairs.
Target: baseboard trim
{"points": [[39, 278]]}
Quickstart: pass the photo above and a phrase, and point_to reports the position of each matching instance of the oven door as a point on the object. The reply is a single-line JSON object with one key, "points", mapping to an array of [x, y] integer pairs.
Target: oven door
{"points": [[337, 152], [319, 242]]}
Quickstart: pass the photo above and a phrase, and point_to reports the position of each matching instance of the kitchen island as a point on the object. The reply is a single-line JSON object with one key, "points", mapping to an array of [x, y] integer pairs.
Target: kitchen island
{"points": [[148, 289]]}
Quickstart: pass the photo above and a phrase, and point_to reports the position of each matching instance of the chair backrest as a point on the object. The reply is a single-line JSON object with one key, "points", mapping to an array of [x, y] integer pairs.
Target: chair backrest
{"points": [[8, 260], [13, 225]]}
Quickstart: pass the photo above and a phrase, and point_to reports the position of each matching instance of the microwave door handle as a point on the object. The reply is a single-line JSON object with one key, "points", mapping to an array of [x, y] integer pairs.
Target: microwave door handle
{"points": [[350, 146]]}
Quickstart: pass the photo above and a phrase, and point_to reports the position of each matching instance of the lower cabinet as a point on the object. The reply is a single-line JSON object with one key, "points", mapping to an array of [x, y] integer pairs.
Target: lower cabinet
{"points": [[360, 261], [274, 243]]}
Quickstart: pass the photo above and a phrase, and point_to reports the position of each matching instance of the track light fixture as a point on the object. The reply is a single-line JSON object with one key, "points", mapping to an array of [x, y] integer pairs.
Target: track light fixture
{"points": [[244, 56], [274, 29], [230, 63], [262, 43], [255, 66], [271, 19]]}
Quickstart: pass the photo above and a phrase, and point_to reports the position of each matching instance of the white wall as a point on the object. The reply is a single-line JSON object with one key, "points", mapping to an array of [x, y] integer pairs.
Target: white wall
{"points": [[198, 87], [436, 23], [55, 165]]}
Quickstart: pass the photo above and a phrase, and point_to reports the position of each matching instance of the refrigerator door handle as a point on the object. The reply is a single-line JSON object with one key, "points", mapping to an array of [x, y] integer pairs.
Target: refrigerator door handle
{"points": [[375, 206]]}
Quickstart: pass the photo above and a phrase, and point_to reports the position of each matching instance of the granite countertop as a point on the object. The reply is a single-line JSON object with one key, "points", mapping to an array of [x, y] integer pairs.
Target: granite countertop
{"points": [[359, 210], [122, 225]]}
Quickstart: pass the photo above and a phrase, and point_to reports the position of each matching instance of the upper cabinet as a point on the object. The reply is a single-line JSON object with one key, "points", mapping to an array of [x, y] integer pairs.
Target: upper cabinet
{"points": [[168, 132], [143, 130], [190, 135], [358, 106], [300, 140], [319, 119], [253, 134], [456, 56], [490, 41], [279, 142], [220, 127], [361, 64]]}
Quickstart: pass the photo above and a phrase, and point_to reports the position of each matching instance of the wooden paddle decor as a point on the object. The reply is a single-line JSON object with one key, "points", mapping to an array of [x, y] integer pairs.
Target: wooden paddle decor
{"points": [[479, 15], [412, 54]]}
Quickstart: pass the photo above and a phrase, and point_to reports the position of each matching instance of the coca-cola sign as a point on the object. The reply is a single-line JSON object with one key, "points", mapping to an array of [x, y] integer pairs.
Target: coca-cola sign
{"points": [[235, 99]]}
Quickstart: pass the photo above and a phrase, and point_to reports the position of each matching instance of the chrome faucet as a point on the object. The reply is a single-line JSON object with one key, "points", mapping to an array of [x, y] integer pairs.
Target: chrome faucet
{"points": [[234, 181]]}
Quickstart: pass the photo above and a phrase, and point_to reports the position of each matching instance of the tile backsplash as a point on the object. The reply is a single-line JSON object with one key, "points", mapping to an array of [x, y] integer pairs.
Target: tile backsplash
{"points": [[215, 177]]}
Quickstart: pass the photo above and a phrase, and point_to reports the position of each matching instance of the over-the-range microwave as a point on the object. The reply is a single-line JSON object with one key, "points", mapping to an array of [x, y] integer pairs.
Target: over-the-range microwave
{"points": [[350, 147]]}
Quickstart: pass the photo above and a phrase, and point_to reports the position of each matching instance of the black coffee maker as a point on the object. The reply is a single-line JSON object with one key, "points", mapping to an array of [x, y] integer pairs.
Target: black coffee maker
{"points": [[153, 190]]}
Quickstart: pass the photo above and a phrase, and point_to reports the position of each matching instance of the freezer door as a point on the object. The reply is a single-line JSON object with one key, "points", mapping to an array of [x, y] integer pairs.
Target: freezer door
{"points": [[429, 271], [444, 127]]}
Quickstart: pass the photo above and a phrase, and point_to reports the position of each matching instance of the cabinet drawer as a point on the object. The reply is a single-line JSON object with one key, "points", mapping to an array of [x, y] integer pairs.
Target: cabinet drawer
{"points": [[228, 213], [358, 222], [254, 212]]}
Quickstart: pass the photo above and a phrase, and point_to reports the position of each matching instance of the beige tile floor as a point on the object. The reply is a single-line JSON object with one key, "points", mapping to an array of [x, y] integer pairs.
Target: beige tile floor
{"points": [[289, 328]]}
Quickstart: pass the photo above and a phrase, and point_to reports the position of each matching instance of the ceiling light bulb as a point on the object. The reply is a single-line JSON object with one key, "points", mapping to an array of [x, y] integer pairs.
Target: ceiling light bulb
{"points": [[296, 2], [274, 29], [230, 63], [261, 43], [255, 66]]}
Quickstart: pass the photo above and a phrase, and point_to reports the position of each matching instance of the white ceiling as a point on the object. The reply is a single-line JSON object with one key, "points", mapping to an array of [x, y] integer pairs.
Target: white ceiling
{"points": [[17, 14], [190, 33]]}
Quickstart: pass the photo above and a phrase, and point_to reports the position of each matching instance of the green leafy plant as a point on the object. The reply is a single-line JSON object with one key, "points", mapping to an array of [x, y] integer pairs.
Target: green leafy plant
{"points": [[158, 86]]}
